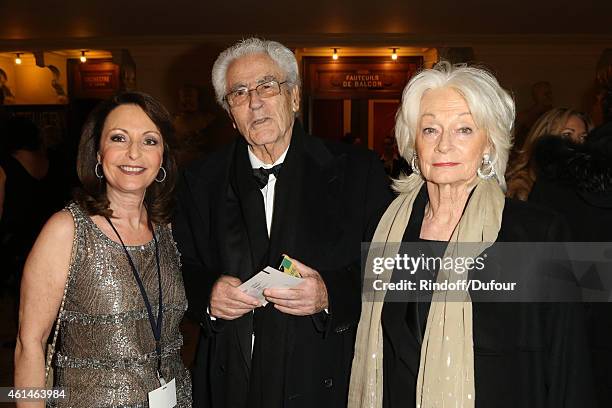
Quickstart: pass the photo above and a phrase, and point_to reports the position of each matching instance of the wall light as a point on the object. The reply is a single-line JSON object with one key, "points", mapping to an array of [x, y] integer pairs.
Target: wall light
{"points": [[18, 58], [394, 54], [83, 57], [335, 54]]}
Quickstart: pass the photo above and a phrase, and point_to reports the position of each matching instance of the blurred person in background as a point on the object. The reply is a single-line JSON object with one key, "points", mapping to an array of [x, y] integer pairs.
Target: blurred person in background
{"points": [[29, 193], [565, 123], [575, 180]]}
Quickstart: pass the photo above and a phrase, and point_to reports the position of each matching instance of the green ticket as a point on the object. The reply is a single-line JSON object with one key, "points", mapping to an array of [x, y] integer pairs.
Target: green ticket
{"points": [[288, 267]]}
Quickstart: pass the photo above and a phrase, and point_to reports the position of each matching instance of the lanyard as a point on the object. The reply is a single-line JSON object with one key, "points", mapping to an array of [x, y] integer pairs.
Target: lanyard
{"points": [[156, 327]]}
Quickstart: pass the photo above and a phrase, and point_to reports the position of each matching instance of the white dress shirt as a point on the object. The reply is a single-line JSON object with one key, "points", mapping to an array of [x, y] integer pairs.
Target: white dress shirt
{"points": [[268, 195], [268, 190]]}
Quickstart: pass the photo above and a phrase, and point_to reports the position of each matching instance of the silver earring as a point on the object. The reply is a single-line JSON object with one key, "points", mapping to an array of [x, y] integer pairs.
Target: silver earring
{"points": [[164, 177], [414, 165], [99, 173], [486, 162]]}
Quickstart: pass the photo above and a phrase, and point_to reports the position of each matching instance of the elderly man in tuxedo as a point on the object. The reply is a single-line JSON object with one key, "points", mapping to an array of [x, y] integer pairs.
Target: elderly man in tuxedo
{"points": [[273, 191]]}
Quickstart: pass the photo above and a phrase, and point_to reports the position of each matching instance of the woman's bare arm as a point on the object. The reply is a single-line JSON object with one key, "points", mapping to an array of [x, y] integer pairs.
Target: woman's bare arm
{"points": [[42, 288]]}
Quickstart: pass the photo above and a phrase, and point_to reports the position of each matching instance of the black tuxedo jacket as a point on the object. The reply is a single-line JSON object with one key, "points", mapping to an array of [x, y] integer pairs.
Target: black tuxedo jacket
{"points": [[528, 355], [328, 199]]}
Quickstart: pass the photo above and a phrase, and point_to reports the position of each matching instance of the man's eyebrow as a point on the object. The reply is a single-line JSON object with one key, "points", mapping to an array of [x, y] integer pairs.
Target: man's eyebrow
{"points": [[237, 86], [266, 79], [242, 85]]}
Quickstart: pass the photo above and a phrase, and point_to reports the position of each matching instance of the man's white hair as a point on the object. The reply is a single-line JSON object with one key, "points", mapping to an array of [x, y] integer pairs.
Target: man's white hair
{"points": [[280, 54]]}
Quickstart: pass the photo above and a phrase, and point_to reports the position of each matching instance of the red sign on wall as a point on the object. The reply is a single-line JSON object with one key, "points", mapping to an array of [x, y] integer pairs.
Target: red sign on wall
{"points": [[94, 79], [97, 80]]}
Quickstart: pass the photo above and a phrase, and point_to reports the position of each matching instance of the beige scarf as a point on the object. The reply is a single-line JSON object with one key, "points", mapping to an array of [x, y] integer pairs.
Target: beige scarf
{"points": [[446, 370]]}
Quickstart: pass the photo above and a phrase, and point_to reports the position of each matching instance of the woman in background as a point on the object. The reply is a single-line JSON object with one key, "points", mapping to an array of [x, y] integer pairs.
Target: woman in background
{"points": [[575, 180], [563, 122], [30, 192]]}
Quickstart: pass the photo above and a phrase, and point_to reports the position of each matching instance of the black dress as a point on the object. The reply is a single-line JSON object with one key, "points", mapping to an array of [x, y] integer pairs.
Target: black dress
{"points": [[525, 354]]}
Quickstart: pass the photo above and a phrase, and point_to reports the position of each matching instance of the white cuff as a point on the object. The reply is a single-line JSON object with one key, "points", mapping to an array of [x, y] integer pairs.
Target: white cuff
{"points": [[213, 318]]}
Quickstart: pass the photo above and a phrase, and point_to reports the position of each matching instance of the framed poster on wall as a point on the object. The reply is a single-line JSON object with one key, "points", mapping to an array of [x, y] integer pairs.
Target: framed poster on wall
{"points": [[95, 79]]}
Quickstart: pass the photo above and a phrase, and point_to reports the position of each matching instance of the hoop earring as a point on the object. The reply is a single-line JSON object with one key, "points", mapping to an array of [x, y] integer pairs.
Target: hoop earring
{"points": [[414, 165], [100, 174], [164, 177], [486, 162]]}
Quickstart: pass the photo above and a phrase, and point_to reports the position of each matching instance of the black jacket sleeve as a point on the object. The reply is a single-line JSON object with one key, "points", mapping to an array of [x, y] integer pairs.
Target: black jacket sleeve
{"points": [[344, 286], [197, 277]]}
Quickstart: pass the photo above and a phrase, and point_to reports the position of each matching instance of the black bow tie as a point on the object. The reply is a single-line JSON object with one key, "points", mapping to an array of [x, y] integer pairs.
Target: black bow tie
{"points": [[261, 175]]}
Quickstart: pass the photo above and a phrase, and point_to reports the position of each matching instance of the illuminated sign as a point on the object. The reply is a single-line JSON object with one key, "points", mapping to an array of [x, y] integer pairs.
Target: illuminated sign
{"points": [[369, 81], [97, 80]]}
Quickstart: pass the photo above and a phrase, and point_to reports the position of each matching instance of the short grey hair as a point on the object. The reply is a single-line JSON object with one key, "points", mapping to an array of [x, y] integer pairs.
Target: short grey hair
{"points": [[281, 55], [491, 106]]}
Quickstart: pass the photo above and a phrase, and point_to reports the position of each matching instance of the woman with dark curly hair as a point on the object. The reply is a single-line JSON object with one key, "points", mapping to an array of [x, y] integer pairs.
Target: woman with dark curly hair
{"points": [[108, 266]]}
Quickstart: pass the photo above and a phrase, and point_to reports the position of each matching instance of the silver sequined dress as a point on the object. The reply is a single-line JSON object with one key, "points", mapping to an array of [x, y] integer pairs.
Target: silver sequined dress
{"points": [[105, 354]]}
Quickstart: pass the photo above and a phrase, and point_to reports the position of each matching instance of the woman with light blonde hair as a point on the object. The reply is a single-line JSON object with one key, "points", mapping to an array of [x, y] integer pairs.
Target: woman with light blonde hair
{"points": [[563, 122]]}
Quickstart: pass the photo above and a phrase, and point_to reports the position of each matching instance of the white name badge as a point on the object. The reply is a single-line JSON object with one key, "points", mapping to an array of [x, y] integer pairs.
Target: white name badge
{"points": [[164, 396]]}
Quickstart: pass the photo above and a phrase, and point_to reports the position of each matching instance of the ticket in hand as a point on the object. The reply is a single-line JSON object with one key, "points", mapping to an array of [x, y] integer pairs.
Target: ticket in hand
{"points": [[268, 278], [288, 267]]}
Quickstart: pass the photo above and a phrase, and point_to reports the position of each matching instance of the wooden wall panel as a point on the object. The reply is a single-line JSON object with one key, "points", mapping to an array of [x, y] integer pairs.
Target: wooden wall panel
{"points": [[328, 118]]}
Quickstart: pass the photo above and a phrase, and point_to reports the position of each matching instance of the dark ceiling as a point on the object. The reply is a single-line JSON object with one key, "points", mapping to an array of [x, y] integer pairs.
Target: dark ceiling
{"points": [[78, 19]]}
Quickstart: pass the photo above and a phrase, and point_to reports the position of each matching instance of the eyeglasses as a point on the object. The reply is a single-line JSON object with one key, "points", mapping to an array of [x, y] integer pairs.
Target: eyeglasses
{"points": [[264, 90]]}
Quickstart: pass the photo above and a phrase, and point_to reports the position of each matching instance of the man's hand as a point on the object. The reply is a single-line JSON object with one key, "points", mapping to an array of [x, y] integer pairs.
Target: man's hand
{"points": [[227, 301], [308, 298]]}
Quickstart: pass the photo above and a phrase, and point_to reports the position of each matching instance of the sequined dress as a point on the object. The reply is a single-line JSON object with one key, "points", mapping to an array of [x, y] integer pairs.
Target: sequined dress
{"points": [[105, 353]]}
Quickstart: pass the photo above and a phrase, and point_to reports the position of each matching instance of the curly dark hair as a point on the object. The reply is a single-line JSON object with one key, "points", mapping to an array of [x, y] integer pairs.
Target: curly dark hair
{"points": [[92, 195]]}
